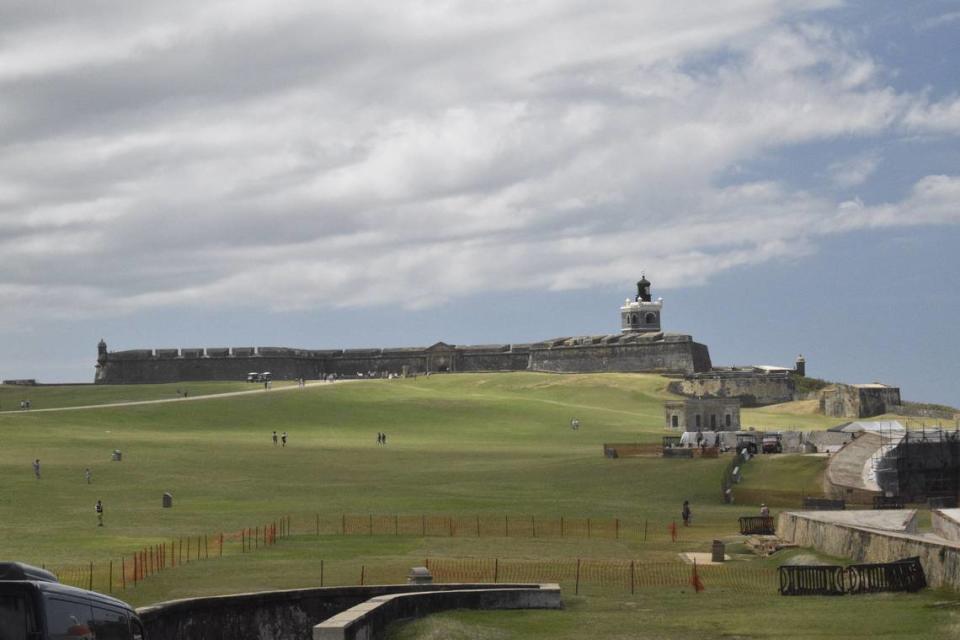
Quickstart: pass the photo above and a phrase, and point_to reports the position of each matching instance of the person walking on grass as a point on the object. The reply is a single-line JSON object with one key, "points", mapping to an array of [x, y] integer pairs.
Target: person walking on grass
{"points": [[36, 468], [283, 439], [274, 438], [88, 475], [99, 509], [686, 513]]}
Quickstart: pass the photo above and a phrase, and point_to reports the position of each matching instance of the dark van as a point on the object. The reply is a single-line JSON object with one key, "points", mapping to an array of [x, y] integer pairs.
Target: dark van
{"points": [[35, 606]]}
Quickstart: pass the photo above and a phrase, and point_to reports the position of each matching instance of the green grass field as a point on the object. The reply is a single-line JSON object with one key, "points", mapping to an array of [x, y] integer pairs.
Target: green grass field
{"points": [[56, 396], [463, 446]]}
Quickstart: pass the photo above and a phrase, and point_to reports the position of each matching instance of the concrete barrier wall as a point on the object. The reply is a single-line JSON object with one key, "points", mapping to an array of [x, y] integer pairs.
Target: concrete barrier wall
{"points": [[370, 619], [946, 523], [269, 615], [940, 559]]}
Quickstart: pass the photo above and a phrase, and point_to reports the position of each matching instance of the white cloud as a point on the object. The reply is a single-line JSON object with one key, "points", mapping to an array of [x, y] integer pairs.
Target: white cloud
{"points": [[303, 155], [854, 171]]}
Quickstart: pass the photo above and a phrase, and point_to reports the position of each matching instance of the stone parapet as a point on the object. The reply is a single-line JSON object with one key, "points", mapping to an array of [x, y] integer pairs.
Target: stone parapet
{"points": [[371, 618]]}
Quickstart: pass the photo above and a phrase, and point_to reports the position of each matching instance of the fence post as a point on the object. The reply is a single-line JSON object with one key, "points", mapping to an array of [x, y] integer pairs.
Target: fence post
{"points": [[110, 580], [533, 524], [588, 527], [616, 523], [450, 525], [577, 589], [362, 567], [561, 526], [123, 573], [134, 569], [633, 578], [91, 577], [221, 544], [478, 526], [396, 524], [506, 526], [371, 524], [496, 569], [645, 523], [321, 573], [423, 525]]}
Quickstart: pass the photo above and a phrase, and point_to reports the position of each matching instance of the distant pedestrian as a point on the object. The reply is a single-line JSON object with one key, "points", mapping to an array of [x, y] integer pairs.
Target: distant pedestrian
{"points": [[283, 439], [36, 468], [88, 475], [379, 438], [575, 424], [99, 509], [764, 511], [686, 513], [274, 438], [384, 439]]}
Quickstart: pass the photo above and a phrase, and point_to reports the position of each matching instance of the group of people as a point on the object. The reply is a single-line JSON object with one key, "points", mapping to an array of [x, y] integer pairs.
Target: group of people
{"points": [[381, 438], [88, 476], [283, 439], [24, 404]]}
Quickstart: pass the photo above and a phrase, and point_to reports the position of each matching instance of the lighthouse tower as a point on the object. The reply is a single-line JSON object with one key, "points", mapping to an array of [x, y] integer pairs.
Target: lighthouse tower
{"points": [[642, 314]]}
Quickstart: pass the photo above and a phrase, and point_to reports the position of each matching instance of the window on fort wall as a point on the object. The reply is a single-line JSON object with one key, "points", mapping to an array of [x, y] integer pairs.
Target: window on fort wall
{"points": [[651, 318], [727, 420], [674, 421]]}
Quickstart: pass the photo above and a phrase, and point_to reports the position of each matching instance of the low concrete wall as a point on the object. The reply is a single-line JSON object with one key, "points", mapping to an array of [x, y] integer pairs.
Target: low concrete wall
{"points": [[270, 615], [940, 558], [369, 620], [946, 523]]}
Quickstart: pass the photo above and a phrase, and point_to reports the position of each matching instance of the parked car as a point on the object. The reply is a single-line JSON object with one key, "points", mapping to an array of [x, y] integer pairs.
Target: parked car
{"points": [[35, 606]]}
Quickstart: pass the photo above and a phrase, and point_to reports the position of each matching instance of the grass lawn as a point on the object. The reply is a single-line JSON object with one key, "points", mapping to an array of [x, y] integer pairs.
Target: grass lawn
{"points": [[55, 396], [466, 445]]}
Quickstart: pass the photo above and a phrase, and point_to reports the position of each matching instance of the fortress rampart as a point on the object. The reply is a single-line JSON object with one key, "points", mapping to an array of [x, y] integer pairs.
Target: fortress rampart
{"points": [[660, 353]]}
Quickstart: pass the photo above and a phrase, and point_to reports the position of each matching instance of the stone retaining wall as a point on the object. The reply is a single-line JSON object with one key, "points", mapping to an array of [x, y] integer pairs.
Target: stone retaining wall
{"points": [[940, 558], [946, 523], [270, 615], [370, 619]]}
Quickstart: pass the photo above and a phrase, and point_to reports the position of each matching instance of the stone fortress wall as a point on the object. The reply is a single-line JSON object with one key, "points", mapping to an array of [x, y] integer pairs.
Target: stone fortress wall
{"points": [[753, 386], [640, 347], [669, 354]]}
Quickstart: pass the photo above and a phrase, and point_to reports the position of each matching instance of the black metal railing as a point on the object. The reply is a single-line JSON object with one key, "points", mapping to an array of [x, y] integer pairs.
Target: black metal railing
{"points": [[903, 575], [757, 526], [823, 504], [802, 580], [887, 502], [833, 580]]}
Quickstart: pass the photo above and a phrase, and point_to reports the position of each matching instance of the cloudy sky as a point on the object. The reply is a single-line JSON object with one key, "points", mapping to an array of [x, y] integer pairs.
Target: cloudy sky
{"points": [[325, 174]]}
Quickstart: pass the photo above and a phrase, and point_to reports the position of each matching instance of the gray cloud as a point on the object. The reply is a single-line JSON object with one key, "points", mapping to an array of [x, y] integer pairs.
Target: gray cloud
{"points": [[305, 155]]}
